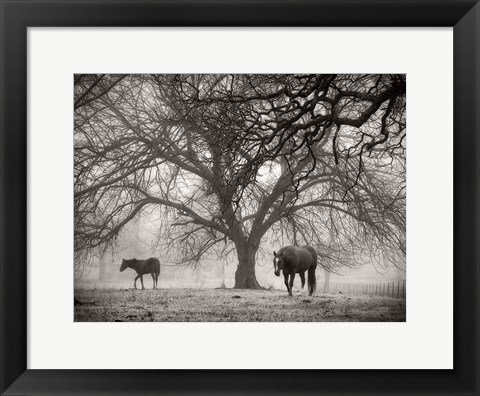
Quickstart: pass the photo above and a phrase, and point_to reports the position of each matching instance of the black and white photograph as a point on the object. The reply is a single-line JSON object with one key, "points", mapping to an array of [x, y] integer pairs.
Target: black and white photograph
{"points": [[239, 197]]}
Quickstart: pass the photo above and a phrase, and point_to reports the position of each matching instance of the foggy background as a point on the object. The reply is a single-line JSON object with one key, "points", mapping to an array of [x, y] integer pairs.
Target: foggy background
{"points": [[138, 241]]}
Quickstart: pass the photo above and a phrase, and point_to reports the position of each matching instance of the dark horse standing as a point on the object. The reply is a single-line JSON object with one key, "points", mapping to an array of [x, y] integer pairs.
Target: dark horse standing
{"points": [[296, 260], [148, 266]]}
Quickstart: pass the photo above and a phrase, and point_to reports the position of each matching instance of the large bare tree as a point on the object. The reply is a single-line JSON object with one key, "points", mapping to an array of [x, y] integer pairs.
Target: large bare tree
{"points": [[228, 159]]}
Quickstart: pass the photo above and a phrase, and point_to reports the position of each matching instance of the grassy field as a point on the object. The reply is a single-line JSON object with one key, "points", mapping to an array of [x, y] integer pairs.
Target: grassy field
{"points": [[219, 305]]}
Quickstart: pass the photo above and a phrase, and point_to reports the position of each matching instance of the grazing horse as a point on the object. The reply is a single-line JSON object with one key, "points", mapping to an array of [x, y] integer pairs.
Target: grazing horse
{"points": [[148, 266], [296, 260]]}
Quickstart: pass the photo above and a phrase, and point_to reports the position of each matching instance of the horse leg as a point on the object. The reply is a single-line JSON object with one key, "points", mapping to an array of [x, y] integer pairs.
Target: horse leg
{"points": [[141, 280], [285, 277], [135, 283], [153, 279], [302, 277], [292, 278]]}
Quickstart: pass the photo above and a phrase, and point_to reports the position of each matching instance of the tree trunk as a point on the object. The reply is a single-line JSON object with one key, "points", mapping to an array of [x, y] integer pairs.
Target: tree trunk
{"points": [[102, 265], [326, 285], [101, 273], [245, 273]]}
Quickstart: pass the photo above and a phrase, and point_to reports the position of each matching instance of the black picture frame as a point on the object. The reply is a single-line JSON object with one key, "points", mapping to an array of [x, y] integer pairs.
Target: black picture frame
{"points": [[18, 15]]}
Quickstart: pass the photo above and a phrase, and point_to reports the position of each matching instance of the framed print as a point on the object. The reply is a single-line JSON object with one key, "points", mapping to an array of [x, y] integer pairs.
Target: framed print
{"points": [[234, 181]]}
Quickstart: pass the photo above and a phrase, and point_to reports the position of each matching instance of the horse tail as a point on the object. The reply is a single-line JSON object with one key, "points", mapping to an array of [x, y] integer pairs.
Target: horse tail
{"points": [[312, 279], [157, 270]]}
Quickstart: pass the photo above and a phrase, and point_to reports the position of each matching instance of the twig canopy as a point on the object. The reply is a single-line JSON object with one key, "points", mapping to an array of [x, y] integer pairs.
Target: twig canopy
{"points": [[229, 159]]}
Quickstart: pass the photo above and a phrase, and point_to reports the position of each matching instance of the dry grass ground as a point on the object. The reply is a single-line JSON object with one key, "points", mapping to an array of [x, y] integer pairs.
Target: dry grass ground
{"points": [[219, 305]]}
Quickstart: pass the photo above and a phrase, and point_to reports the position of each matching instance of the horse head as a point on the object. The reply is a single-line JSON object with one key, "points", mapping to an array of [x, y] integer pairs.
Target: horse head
{"points": [[124, 265], [277, 263]]}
